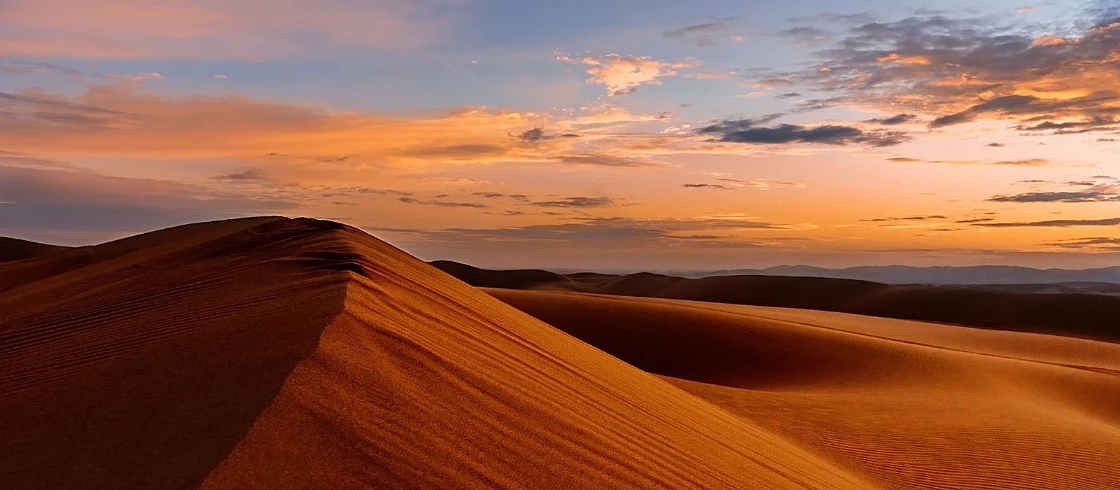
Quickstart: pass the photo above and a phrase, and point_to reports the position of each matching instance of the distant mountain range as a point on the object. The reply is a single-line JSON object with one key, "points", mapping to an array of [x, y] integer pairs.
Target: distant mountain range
{"points": [[899, 274]]}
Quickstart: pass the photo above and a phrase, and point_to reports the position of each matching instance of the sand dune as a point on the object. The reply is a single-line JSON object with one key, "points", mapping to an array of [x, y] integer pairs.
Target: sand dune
{"points": [[904, 404], [1010, 308], [278, 353], [15, 249]]}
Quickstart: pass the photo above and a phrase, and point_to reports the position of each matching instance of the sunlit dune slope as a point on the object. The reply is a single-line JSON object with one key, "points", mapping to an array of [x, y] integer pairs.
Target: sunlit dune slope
{"points": [[278, 353], [905, 404]]}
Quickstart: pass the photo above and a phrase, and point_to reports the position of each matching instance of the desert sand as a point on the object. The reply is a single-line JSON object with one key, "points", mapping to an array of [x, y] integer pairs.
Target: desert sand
{"points": [[1088, 311], [296, 353], [904, 404], [12, 249], [277, 353]]}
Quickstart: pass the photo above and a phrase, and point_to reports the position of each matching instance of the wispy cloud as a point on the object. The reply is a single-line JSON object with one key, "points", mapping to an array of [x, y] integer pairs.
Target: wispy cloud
{"points": [[1057, 223], [1090, 244], [216, 29], [135, 77], [67, 200], [704, 34], [808, 35], [1099, 188], [442, 203], [576, 202], [1026, 162], [599, 230]]}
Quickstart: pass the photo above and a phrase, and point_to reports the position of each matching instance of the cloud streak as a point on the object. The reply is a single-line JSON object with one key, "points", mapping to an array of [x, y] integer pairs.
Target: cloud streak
{"points": [[250, 29]]}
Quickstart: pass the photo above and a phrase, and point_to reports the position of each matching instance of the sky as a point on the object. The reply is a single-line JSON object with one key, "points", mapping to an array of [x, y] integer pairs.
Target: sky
{"points": [[606, 134]]}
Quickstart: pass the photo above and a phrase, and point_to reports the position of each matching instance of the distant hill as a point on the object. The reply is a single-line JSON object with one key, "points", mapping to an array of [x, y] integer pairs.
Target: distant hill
{"points": [[12, 249], [899, 274], [1080, 309], [509, 279]]}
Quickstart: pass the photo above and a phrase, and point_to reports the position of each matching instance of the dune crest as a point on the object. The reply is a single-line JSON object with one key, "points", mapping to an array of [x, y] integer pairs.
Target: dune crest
{"points": [[270, 352]]}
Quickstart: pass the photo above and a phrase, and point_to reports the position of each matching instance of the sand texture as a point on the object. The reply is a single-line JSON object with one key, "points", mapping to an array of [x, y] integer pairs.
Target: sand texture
{"points": [[279, 353]]}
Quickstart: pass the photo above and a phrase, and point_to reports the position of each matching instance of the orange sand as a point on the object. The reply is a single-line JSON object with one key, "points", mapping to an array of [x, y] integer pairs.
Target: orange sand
{"points": [[904, 404], [277, 353]]}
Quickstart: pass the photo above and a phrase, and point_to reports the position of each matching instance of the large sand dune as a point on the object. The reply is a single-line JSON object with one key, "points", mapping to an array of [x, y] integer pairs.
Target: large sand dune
{"points": [[14, 249], [905, 404], [278, 353]]}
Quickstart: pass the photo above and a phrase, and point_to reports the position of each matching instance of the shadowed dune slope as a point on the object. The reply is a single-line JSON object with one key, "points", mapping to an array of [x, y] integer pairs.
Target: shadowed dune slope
{"points": [[905, 404], [16, 249], [511, 279], [279, 353], [1085, 315]]}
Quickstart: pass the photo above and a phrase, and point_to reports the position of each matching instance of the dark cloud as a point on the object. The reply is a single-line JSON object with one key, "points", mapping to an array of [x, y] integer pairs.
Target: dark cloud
{"points": [[702, 34], [603, 160], [1059, 197], [538, 134], [442, 204], [936, 64], [970, 221], [894, 120], [380, 192], [250, 175], [32, 109], [1028, 162], [1090, 243], [1099, 188], [499, 195], [996, 145], [18, 67], [459, 152], [576, 202], [808, 35], [596, 230], [704, 186], [748, 131], [788, 95], [20, 159], [906, 218], [854, 19], [1059, 223], [1029, 105]]}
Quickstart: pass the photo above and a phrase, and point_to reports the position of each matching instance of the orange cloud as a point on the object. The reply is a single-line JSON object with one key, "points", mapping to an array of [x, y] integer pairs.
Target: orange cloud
{"points": [[123, 121], [624, 74], [905, 60]]}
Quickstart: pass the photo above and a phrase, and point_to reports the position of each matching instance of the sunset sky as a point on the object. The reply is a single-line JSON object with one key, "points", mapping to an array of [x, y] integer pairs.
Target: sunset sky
{"points": [[579, 134]]}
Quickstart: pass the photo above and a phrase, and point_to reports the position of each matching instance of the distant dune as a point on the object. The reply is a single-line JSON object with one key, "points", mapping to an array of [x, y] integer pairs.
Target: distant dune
{"points": [[280, 353], [15, 249], [905, 404], [943, 275], [1021, 308]]}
